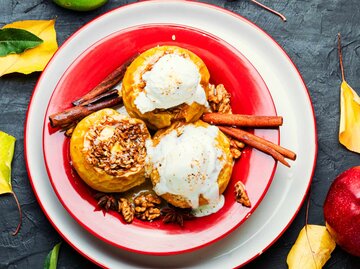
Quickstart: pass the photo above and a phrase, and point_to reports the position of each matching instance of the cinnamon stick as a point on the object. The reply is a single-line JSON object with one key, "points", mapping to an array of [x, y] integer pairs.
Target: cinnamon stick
{"points": [[65, 118], [259, 143], [109, 82], [107, 94], [243, 120]]}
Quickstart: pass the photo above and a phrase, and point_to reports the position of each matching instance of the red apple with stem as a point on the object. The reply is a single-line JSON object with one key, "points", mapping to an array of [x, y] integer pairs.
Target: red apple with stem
{"points": [[342, 210]]}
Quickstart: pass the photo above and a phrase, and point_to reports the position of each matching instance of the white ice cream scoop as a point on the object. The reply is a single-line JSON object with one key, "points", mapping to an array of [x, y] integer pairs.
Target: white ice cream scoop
{"points": [[173, 80]]}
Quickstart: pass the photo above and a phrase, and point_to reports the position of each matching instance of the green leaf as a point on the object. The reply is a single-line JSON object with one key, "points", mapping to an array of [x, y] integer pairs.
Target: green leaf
{"points": [[52, 257], [16, 41]]}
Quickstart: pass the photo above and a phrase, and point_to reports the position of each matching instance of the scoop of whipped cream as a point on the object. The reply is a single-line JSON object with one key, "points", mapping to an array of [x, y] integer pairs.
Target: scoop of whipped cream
{"points": [[173, 80], [189, 164]]}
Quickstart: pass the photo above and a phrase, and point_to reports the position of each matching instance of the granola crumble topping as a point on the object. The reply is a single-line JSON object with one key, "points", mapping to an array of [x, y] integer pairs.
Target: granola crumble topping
{"points": [[115, 146]]}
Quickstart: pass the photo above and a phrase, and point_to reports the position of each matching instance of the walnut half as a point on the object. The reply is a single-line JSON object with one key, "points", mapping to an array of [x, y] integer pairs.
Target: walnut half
{"points": [[147, 206], [219, 99], [126, 210], [241, 195]]}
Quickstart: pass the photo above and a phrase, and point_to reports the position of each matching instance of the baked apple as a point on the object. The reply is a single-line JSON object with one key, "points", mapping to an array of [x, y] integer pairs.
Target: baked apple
{"points": [[108, 151], [190, 165], [166, 84]]}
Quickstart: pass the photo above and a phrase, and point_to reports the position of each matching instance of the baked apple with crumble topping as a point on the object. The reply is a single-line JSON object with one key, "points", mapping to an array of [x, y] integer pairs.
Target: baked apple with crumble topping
{"points": [[108, 152], [166, 84], [190, 165]]}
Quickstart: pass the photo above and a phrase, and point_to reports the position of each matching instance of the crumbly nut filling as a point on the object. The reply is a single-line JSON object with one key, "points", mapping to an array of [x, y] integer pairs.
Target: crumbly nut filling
{"points": [[123, 150]]}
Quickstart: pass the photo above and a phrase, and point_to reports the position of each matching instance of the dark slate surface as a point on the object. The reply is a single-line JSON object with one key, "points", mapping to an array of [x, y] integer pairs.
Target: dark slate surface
{"points": [[309, 37]]}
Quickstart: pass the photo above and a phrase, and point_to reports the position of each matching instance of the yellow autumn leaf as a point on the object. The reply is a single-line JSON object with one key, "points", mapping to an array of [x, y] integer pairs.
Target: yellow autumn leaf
{"points": [[312, 248], [349, 132], [33, 59], [7, 145]]}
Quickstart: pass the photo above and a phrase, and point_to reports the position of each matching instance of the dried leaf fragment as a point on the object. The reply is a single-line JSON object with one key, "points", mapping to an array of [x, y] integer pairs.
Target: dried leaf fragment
{"points": [[34, 59], [312, 248]]}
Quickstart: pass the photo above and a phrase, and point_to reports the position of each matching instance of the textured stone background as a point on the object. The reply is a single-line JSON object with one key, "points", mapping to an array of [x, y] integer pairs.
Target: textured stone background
{"points": [[309, 37]]}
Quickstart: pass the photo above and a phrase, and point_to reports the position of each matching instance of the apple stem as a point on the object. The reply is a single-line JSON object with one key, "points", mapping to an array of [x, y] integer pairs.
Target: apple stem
{"points": [[20, 214], [341, 58], [269, 9]]}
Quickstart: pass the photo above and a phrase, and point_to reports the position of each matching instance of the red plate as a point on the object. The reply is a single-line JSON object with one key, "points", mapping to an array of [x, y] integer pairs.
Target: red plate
{"points": [[249, 96]]}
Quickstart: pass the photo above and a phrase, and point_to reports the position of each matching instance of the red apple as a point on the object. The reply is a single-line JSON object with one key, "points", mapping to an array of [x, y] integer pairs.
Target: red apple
{"points": [[342, 210]]}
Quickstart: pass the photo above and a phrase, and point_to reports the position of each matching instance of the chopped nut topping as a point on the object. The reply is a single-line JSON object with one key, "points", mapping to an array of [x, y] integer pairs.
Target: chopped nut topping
{"points": [[126, 210], [123, 149], [147, 206], [241, 194]]}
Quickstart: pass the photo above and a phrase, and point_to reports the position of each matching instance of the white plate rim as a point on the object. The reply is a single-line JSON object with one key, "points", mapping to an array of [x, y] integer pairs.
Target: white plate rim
{"points": [[29, 121]]}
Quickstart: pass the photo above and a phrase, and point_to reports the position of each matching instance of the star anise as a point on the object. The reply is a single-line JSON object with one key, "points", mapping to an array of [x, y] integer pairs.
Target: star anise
{"points": [[107, 201], [176, 215]]}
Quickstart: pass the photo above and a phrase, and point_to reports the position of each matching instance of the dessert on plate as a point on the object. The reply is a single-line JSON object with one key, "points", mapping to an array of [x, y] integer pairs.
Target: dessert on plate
{"points": [[190, 164], [108, 151], [187, 162], [166, 84]]}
